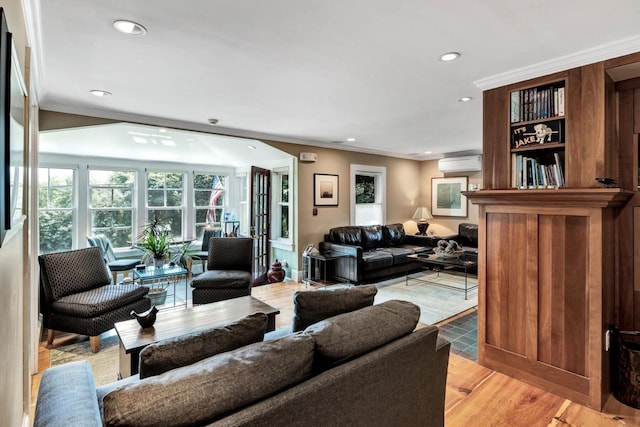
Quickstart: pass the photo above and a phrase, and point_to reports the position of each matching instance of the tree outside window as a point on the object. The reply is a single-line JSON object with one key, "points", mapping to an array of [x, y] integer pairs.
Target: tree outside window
{"points": [[55, 209], [111, 205], [165, 200]]}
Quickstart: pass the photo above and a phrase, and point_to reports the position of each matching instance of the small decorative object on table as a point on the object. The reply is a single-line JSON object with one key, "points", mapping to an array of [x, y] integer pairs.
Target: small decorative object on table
{"points": [[147, 318], [448, 249]]}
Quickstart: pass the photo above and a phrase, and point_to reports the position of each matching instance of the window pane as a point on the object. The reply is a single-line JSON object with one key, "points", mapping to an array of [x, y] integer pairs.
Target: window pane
{"points": [[100, 220], [61, 198], [174, 180], [285, 188], [155, 180], [201, 216], [173, 218], [101, 197], [284, 221], [174, 197], [202, 181], [113, 178], [56, 229], [368, 214], [122, 197], [365, 189], [155, 198], [121, 237], [201, 198]]}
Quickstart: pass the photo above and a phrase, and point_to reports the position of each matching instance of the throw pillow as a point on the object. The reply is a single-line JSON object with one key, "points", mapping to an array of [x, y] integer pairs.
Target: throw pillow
{"points": [[350, 335], [310, 307], [200, 393], [188, 349]]}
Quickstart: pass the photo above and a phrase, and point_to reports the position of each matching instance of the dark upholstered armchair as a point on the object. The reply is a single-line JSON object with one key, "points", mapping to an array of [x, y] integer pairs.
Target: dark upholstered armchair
{"points": [[76, 295], [228, 272]]}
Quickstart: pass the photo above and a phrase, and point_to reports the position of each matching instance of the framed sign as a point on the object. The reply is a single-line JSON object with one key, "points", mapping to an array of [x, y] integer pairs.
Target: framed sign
{"points": [[325, 190], [447, 198]]}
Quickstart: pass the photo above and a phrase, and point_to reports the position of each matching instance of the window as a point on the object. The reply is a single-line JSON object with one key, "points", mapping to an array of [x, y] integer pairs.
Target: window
{"points": [[282, 213], [209, 200], [111, 205], [165, 199], [243, 187], [368, 203], [55, 209]]}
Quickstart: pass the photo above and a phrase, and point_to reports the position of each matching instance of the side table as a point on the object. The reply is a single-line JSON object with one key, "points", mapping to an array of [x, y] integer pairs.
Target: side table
{"points": [[164, 277], [321, 260]]}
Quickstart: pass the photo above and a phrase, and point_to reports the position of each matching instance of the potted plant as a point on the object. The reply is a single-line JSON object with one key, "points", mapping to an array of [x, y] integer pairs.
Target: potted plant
{"points": [[156, 241]]}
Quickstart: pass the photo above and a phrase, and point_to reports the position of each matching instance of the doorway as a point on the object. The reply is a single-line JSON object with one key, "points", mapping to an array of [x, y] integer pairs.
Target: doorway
{"points": [[260, 218]]}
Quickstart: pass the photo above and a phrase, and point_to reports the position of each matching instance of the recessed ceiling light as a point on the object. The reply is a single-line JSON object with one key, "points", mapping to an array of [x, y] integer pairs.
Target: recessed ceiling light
{"points": [[98, 92], [428, 152], [449, 56], [465, 99], [252, 147], [213, 121], [351, 139], [162, 130], [129, 27]]}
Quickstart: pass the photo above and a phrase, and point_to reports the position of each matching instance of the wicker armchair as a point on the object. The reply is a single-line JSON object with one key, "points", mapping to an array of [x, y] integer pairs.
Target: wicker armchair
{"points": [[228, 272], [76, 295]]}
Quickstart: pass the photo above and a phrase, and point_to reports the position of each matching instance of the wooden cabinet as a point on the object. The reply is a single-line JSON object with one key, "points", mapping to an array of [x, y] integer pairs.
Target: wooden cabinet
{"points": [[547, 256]]}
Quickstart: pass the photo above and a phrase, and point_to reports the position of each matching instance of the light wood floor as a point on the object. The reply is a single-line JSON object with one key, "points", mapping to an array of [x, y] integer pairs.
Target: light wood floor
{"points": [[476, 396]]}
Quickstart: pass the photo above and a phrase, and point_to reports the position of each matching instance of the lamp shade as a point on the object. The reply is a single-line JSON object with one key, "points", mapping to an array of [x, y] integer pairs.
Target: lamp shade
{"points": [[422, 212]]}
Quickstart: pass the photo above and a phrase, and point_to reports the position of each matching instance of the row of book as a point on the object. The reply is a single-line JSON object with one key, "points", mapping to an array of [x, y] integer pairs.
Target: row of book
{"points": [[537, 103], [530, 173]]}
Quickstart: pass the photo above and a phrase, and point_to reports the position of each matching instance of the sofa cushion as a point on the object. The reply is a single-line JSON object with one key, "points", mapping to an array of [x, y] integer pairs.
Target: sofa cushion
{"points": [[372, 237], [350, 335], [375, 260], [199, 393], [212, 279], [169, 354], [310, 307], [351, 235], [100, 300], [393, 234], [399, 254]]}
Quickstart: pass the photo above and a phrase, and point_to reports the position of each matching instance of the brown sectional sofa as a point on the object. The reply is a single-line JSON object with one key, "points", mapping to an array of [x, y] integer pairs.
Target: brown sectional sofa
{"points": [[334, 372], [377, 251]]}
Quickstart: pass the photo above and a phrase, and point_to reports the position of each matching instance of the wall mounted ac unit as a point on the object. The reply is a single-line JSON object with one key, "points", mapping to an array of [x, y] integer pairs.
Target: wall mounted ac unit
{"points": [[460, 164], [308, 157]]}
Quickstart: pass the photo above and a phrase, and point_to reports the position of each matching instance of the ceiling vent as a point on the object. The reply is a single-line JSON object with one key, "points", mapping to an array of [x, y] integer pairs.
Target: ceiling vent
{"points": [[460, 164]]}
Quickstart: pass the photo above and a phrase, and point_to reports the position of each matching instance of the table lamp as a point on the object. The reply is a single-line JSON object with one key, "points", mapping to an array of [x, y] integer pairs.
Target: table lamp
{"points": [[422, 214]]}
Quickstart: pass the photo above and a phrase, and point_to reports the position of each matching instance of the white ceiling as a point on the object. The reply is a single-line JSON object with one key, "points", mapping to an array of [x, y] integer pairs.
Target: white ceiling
{"points": [[316, 71]]}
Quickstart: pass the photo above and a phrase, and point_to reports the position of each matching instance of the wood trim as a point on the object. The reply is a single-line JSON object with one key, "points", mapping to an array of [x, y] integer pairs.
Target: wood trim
{"points": [[583, 197]]}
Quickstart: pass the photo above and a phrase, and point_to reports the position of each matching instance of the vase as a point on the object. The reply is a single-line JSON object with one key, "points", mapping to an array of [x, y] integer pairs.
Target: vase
{"points": [[157, 296], [158, 262], [276, 273]]}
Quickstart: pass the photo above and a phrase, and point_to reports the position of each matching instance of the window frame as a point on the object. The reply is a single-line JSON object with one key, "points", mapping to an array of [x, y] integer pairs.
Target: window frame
{"points": [[182, 207], [74, 204]]}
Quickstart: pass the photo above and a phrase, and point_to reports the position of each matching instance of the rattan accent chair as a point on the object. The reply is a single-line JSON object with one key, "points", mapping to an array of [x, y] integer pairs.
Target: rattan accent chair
{"points": [[77, 296], [228, 272]]}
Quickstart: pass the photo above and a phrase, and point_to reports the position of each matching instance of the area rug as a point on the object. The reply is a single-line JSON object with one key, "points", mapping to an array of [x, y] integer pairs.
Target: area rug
{"points": [[436, 302], [103, 363]]}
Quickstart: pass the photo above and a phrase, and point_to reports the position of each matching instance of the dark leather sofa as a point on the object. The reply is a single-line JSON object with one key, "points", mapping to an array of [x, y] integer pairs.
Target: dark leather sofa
{"points": [[377, 251]]}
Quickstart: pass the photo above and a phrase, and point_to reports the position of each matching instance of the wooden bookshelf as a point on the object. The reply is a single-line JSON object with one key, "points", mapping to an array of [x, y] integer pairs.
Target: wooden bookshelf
{"points": [[547, 255]]}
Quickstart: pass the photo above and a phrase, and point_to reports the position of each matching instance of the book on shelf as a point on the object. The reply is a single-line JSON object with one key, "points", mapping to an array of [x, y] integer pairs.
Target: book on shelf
{"points": [[536, 103], [533, 173]]}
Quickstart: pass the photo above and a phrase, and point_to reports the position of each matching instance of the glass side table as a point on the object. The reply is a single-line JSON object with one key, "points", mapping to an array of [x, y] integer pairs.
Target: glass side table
{"points": [[322, 260], [165, 277]]}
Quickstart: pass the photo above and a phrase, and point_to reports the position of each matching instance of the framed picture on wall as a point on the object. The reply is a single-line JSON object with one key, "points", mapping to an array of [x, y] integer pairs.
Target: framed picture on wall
{"points": [[447, 198], [325, 189]]}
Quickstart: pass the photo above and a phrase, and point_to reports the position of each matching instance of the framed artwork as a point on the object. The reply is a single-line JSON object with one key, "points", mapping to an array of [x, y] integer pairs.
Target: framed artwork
{"points": [[447, 198], [5, 94], [325, 190], [16, 146]]}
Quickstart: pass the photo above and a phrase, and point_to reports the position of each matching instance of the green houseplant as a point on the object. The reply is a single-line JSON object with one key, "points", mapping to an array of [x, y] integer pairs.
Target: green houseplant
{"points": [[156, 241]]}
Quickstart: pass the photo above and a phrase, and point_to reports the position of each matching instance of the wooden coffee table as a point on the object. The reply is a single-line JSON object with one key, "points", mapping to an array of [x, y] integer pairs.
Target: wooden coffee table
{"points": [[173, 324]]}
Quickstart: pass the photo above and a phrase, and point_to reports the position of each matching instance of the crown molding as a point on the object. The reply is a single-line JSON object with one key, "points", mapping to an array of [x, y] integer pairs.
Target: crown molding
{"points": [[578, 59]]}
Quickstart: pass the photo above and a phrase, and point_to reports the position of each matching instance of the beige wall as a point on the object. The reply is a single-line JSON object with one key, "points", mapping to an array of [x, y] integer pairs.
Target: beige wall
{"points": [[445, 225], [14, 288], [403, 189]]}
